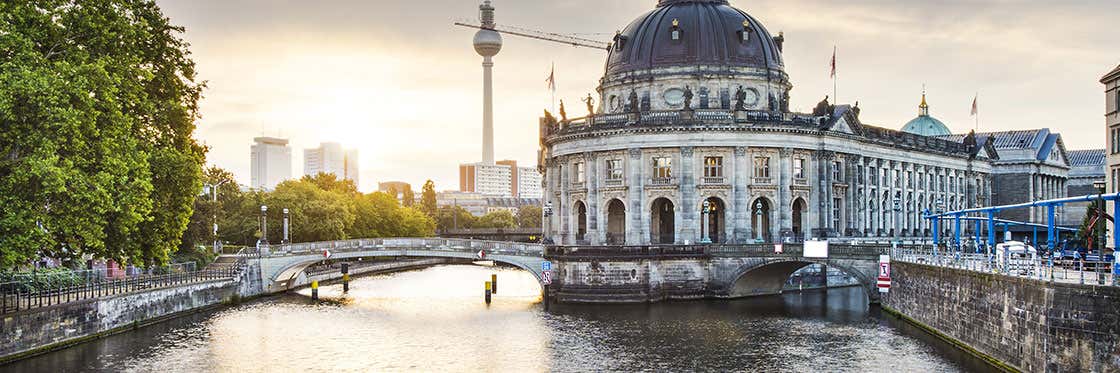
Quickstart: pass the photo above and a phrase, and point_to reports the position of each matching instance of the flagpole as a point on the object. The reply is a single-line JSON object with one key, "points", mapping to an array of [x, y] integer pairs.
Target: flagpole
{"points": [[835, 77], [977, 101]]}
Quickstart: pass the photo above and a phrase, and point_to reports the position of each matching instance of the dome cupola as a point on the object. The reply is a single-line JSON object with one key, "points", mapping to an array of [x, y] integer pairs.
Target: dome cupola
{"points": [[924, 124]]}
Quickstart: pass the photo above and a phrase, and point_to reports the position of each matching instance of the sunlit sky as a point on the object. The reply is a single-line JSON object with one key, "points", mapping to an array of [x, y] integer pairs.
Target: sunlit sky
{"points": [[398, 81]]}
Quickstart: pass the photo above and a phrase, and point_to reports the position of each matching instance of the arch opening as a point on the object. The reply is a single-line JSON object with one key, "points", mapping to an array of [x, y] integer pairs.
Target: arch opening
{"points": [[616, 222], [715, 225], [798, 214], [771, 278], [662, 222], [581, 221], [760, 220]]}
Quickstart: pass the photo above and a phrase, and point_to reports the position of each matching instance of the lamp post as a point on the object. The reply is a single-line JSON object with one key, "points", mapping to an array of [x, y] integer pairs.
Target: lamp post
{"points": [[213, 189], [287, 223], [264, 226], [758, 218], [705, 237], [897, 218], [546, 213]]}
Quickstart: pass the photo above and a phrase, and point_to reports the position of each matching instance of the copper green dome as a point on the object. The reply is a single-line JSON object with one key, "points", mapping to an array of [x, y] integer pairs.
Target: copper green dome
{"points": [[926, 125]]}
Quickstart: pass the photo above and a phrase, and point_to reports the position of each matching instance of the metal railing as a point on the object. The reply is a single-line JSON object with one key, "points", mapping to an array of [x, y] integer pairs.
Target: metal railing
{"points": [[1041, 268], [23, 293], [432, 244]]}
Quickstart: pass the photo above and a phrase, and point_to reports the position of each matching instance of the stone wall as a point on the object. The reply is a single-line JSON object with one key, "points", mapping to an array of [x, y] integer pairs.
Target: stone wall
{"points": [[1026, 324], [44, 329]]}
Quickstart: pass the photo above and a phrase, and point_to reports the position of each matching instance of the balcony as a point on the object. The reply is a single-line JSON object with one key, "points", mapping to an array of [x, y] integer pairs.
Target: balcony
{"points": [[762, 180], [578, 185], [613, 182], [800, 181], [713, 180], [661, 181]]}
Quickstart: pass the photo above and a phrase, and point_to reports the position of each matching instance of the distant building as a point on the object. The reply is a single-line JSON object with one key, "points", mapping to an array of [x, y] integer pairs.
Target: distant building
{"points": [[1111, 83], [1086, 174], [478, 204], [502, 179], [398, 186], [331, 158], [270, 162]]}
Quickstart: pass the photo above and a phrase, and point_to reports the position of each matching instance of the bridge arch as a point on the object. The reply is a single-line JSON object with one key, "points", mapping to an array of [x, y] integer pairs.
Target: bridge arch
{"points": [[768, 276]]}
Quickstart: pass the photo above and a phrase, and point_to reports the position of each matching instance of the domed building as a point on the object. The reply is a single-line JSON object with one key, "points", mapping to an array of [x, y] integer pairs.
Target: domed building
{"points": [[924, 124], [693, 142]]}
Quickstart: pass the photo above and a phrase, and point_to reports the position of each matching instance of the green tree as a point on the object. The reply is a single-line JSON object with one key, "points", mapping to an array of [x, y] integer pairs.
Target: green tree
{"points": [[529, 217], [496, 219], [316, 214], [428, 199], [200, 227], [331, 183], [98, 100], [454, 217], [408, 198]]}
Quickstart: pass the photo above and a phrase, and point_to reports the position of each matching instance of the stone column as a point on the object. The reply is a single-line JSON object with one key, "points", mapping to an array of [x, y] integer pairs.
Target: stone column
{"points": [[591, 166], [784, 209], [561, 209], [739, 176], [637, 217], [689, 225]]}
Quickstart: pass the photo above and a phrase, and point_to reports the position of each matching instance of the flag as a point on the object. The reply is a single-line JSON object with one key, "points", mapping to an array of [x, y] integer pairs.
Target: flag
{"points": [[975, 106], [833, 64], [552, 79]]}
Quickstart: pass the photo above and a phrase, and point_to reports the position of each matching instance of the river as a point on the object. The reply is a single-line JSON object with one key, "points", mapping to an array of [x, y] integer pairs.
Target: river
{"points": [[435, 320]]}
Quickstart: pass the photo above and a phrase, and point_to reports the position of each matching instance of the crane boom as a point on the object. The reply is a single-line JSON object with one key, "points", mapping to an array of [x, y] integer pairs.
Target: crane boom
{"points": [[546, 36]]}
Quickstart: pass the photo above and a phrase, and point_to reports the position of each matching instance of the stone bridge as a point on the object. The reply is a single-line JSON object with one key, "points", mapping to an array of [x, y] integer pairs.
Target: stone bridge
{"points": [[282, 266], [599, 274], [610, 274]]}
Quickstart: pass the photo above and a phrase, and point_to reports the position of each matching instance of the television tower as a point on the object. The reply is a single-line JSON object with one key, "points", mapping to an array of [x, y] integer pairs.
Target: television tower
{"points": [[487, 42]]}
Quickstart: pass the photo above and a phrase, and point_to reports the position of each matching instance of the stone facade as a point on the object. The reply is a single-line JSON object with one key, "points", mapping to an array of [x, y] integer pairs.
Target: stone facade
{"points": [[1031, 325], [1111, 83]]}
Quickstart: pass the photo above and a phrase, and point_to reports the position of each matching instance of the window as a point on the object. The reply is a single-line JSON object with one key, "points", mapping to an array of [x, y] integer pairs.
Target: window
{"points": [[724, 98], [837, 171], [874, 172], [675, 31], [886, 175], [713, 166], [910, 179], [579, 172], [614, 169], [894, 177], [799, 168], [761, 166], [837, 203], [745, 34], [703, 97], [662, 167]]}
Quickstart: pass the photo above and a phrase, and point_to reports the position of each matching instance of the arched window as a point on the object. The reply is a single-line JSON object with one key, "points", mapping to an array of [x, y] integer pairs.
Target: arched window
{"points": [[675, 31]]}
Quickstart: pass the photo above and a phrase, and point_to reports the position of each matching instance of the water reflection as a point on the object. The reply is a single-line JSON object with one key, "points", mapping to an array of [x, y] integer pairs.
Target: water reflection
{"points": [[435, 320]]}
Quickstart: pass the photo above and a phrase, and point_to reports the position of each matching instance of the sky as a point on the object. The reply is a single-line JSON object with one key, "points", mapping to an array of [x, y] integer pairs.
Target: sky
{"points": [[399, 82]]}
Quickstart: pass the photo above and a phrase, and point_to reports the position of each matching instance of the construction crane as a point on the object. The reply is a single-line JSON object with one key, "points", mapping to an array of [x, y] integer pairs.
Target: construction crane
{"points": [[540, 35]]}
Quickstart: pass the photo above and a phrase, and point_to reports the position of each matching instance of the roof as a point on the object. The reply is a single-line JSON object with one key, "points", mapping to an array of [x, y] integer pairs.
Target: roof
{"points": [[1087, 158], [1040, 141], [710, 34], [1113, 75], [926, 126]]}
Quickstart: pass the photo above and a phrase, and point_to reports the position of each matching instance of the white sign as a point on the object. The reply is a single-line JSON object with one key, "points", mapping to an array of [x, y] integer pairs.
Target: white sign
{"points": [[777, 248], [481, 254], [884, 280], [546, 266], [326, 254], [546, 277], [816, 249]]}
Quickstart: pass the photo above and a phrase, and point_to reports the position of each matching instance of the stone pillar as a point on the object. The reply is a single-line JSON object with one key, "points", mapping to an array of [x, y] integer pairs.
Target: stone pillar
{"points": [[591, 165], [784, 209], [739, 176], [689, 225], [561, 209], [637, 217]]}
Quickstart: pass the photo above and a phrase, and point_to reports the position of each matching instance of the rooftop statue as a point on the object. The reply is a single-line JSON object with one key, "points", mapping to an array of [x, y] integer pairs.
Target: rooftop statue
{"points": [[687, 98], [590, 101]]}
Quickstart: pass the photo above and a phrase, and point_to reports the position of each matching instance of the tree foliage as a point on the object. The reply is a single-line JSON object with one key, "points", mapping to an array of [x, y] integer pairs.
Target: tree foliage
{"points": [[454, 217], [408, 198], [496, 219], [428, 199], [98, 100], [529, 217]]}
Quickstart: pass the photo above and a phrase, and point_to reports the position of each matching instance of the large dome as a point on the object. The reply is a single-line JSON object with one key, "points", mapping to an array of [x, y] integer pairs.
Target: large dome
{"points": [[706, 32], [925, 124]]}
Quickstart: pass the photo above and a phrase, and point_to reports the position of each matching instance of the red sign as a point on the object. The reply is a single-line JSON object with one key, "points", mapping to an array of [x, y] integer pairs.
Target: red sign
{"points": [[884, 280], [546, 277], [885, 270], [326, 254]]}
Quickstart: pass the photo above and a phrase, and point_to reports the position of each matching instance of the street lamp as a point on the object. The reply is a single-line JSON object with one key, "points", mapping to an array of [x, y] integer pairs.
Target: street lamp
{"points": [[705, 237], [213, 190], [287, 223], [897, 217], [546, 213], [264, 226]]}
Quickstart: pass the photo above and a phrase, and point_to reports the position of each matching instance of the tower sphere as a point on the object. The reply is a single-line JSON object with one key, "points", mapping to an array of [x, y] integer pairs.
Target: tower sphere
{"points": [[487, 43]]}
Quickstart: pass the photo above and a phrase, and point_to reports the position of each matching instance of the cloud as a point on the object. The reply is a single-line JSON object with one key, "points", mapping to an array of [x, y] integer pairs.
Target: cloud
{"points": [[397, 80]]}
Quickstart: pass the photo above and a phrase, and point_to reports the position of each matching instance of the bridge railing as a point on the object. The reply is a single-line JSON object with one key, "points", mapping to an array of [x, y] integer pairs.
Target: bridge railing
{"points": [[434, 244], [1038, 267], [23, 295], [751, 250]]}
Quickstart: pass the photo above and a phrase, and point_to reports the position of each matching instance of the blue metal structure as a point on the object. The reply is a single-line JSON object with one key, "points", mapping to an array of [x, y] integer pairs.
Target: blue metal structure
{"points": [[1051, 228]]}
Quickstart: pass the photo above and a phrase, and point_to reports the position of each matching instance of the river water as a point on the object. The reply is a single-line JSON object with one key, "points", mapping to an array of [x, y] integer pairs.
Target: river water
{"points": [[435, 320]]}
